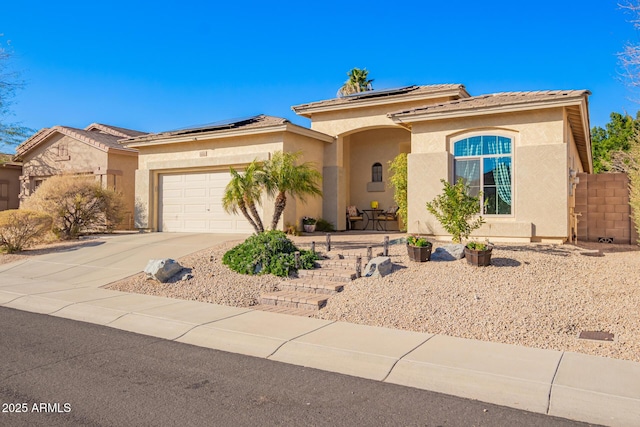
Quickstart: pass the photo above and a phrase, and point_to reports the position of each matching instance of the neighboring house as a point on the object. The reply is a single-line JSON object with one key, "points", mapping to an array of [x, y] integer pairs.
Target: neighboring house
{"points": [[10, 172], [93, 150], [521, 149]]}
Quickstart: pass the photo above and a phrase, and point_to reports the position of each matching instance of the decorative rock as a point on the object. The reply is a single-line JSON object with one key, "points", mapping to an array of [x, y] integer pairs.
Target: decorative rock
{"points": [[448, 253], [399, 241], [162, 269], [186, 277], [378, 267]]}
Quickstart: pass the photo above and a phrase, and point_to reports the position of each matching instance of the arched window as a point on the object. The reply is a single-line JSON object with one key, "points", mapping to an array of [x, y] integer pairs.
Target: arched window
{"points": [[484, 163], [376, 172]]}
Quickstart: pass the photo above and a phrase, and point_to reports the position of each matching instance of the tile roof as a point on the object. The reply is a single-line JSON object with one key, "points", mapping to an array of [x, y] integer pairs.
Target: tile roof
{"points": [[254, 122], [103, 137], [383, 94], [114, 130], [495, 100]]}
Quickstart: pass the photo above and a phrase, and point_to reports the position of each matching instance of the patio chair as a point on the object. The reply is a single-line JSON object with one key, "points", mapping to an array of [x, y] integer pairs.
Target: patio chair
{"points": [[390, 214], [353, 215]]}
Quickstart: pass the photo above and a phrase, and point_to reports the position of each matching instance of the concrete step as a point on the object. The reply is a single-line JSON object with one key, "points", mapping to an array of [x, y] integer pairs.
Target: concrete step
{"points": [[294, 299], [312, 286], [284, 310], [331, 274]]}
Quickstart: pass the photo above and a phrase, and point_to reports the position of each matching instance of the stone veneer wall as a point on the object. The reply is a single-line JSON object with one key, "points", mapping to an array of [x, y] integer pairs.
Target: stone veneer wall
{"points": [[603, 202]]}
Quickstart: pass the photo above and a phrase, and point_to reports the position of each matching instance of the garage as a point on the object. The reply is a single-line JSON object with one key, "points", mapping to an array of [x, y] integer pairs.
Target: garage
{"points": [[192, 202]]}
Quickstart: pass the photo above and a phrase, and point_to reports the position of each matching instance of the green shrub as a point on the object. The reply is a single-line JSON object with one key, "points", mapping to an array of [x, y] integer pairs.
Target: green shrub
{"points": [[270, 252], [21, 228], [454, 209], [324, 225], [398, 180]]}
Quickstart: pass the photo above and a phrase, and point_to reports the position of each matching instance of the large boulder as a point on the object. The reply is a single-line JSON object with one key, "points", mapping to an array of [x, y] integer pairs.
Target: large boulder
{"points": [[448, 253], [162, 269], [378, 267]]}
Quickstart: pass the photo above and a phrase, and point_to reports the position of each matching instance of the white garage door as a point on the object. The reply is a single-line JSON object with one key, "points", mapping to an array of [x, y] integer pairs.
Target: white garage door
{"points": [[192, 202]]}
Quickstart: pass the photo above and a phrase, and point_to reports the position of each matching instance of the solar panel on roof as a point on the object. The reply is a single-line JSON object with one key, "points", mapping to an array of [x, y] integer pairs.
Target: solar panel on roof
{"points": [[228, 123], [380, 92]]}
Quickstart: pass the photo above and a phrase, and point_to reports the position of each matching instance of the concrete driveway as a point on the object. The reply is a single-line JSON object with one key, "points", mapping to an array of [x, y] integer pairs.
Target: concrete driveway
{"points": [[105, 259]]}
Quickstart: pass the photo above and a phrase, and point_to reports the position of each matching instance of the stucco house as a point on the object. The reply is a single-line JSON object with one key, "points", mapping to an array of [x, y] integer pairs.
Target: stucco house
{"points": [[93, 150], [523, 150], [10, 172]]}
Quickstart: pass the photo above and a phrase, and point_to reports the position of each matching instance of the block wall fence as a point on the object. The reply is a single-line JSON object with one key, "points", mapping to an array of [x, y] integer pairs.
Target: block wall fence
{"points": [[603, 202]]}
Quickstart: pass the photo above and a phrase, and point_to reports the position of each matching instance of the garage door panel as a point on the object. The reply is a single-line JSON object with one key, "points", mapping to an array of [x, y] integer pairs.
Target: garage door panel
{"points": [[192, 202]]}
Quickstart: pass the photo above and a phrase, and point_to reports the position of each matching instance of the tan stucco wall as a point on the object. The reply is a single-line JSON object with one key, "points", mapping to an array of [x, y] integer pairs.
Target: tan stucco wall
{"points": [[540, 157], [44, 161], [218, 155], [341, 122], [120, 175], [365, 149], [10, 180], [312, 151]]}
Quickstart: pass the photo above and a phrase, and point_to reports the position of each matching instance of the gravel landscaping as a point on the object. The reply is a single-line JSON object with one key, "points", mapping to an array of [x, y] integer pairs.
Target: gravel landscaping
{"points": [[533, 294]]}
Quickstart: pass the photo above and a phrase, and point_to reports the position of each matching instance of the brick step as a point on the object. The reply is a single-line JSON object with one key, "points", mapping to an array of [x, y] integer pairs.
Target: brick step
{"points": [[335, 275], [340, 262], [312, 286], [284, 310], [293, 299]]}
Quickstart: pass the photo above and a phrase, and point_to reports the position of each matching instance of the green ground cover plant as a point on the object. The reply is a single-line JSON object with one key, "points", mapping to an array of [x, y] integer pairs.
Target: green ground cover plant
{"points": [[270, 252]]}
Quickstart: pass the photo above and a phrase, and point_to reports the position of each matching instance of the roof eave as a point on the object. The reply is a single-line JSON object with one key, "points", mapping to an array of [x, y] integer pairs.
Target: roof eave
{"points": [[419, 116], [306, 110], [160, 139]]}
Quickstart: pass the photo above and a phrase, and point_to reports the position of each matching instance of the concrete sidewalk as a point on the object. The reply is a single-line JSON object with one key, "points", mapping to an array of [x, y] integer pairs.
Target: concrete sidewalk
{"points": [[570, 385]]}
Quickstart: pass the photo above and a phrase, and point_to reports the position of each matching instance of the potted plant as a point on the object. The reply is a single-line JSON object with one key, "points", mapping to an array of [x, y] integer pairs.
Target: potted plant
{"points": [[309, 224], [418, 248], [478, 254]]}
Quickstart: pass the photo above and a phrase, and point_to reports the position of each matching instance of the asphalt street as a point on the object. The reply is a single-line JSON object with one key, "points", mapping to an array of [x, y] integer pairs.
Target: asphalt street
{"points": [[55, 372]]}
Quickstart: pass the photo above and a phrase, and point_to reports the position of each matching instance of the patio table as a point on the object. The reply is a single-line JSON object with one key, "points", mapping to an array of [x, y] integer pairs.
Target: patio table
{"points": [[371, 217]]}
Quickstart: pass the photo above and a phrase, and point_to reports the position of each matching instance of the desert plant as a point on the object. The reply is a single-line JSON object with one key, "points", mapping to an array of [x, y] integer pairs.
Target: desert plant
{"points": [[20, 228], [477, 246], [244, 193], [270, 252], [324, 225], [418, 241], [282, 176], [77, 204], [398, 180], [629, 163], [307, 220], [454, 209]]}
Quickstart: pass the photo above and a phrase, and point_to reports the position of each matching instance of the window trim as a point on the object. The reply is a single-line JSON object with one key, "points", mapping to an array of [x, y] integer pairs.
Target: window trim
{"points": [[489, 132]]}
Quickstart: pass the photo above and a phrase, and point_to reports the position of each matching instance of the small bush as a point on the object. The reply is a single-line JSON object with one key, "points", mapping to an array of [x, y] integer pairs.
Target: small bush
{"points": [[270, 252], [77, 204], [22, 228], [455, 208], [324, 225]]}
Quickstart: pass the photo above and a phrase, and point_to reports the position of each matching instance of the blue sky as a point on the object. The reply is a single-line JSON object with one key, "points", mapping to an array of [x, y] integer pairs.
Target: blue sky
{"points": [[170, 64]]}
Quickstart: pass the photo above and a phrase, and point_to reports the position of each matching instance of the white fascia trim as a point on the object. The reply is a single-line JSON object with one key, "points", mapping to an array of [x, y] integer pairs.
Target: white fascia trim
{"points": [[307, 111], [480, 111]]}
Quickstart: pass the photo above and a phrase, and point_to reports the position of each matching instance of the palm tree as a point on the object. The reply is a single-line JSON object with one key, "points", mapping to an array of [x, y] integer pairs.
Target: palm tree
{"points": [[243, 193], [282, 176], [357, 82]]}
